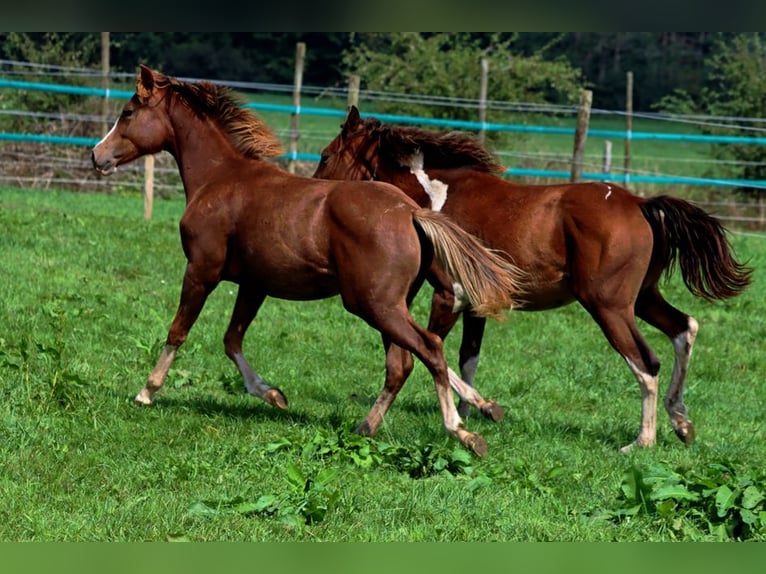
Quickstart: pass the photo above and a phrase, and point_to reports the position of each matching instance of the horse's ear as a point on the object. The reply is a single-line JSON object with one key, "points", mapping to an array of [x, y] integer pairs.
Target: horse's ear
{"points": [[353, 119], [144, 83]]}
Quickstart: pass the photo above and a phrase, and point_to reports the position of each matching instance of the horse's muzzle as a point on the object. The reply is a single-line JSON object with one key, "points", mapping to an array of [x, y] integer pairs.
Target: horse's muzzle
{"points": [[106, 167]]}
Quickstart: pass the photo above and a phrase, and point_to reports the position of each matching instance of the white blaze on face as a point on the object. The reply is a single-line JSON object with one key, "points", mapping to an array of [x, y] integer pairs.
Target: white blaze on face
{"points": [[436, 190], [103, 139]]}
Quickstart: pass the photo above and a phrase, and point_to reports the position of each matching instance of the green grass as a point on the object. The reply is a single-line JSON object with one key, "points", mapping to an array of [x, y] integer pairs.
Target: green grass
{"points": [[89, 289]]}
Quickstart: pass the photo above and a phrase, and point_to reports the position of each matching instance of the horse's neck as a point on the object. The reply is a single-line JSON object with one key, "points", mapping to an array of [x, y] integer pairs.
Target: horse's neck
{"points": [[200, 147]]}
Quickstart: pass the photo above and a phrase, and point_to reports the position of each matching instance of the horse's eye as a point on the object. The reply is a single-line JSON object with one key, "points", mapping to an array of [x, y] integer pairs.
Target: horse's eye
{"points": [[127, 113]]}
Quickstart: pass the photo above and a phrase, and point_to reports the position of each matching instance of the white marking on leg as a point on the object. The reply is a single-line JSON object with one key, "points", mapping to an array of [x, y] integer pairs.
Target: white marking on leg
{"points": [[465, 390], [458, 384], [468, 369], [461, 298], [254, 384], [450, 416], [436, 190], [648, 385], [674, 400], [158, 375]]}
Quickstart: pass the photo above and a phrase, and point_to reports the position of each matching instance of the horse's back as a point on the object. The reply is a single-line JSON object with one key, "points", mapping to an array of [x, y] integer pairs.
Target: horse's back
{"points": [[554, 232]]}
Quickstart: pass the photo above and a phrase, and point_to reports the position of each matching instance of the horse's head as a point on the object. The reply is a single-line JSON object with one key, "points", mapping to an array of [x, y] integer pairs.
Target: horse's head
{"points": [[352, 154], [142, 128]]}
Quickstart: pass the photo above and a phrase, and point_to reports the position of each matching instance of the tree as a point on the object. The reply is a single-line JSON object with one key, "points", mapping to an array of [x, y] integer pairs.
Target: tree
{"points": [[737, 84], [65, 49], [446, 65]]}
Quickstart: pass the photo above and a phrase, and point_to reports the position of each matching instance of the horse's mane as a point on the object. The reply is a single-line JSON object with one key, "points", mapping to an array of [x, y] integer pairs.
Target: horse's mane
{"points": [[246, 131], [440, 149]]}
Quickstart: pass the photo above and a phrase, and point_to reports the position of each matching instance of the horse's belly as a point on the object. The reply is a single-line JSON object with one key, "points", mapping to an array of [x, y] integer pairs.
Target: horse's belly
{"points": [[542, 296], [299, 286], [297, 282]]}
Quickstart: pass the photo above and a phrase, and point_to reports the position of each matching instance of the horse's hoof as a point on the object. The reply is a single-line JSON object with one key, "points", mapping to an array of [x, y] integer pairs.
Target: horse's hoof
{"points": [[686, 433], [493, 411], [476, 443], [276, 398], [364, 429], [142, 400], [628, 447], [638, 443]]}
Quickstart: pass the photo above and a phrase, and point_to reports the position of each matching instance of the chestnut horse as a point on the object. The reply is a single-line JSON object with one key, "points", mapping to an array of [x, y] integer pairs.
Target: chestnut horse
{"points": [[280, 235], [595, 243]]}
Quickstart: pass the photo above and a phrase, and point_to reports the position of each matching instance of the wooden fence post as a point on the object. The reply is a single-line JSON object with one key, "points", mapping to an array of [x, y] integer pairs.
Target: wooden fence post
{"points": [[628, 125], [353, 91], [607, 167], [483, 98], [300, 56], [148, 186], [581, 134], [105, 82]]}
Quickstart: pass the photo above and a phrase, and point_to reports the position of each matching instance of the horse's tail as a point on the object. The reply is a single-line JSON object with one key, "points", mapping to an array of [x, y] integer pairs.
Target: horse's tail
{"points": [[686, 234], [491, 282]]}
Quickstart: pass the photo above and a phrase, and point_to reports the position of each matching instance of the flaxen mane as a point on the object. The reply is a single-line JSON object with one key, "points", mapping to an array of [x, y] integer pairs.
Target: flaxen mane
{"points": [[249, 134], [439, 149]]}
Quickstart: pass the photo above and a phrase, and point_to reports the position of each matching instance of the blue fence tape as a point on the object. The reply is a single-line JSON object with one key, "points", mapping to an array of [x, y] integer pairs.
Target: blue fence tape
{"points": [[402, 119], [446, 123]]}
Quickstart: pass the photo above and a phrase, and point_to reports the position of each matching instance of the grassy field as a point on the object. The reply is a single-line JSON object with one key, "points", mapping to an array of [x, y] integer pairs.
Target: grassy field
{"points": [[89, 289]]}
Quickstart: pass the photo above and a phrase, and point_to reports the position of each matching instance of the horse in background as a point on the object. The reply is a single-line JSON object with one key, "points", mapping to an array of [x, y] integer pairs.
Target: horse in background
{"points": [[594, 243], [276, 234]]}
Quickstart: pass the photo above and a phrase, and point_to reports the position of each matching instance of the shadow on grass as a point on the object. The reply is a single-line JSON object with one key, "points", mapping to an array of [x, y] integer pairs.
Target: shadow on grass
{"points": [[215, 406]]}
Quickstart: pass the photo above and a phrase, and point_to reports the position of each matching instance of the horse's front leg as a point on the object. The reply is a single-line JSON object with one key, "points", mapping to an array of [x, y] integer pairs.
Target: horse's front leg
{"points": [[194, 293], [399, 365], [248, 302]]}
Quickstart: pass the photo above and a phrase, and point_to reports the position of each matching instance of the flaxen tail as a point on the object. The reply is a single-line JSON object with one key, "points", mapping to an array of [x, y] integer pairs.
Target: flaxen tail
{"points": [[491, 282], [687, 235]]}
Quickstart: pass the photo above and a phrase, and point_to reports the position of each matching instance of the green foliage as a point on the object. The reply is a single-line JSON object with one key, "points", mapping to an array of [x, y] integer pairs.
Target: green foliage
{"points": [[448, 65], [678, 102], [737, 84], [715, 502], [305, 500], [417, 460], [65, 49]]}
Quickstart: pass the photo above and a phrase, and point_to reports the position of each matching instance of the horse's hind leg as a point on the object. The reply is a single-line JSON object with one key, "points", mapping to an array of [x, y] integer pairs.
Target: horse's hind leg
{"points": [[620, 329], [399, 365], [194, 293], [402, 330], [470, 347], [681, 329], [445, 311], [245, 308]]}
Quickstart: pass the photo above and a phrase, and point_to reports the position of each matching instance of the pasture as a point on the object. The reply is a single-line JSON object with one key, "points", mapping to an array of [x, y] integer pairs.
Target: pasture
{"points": [[89, 289]]}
